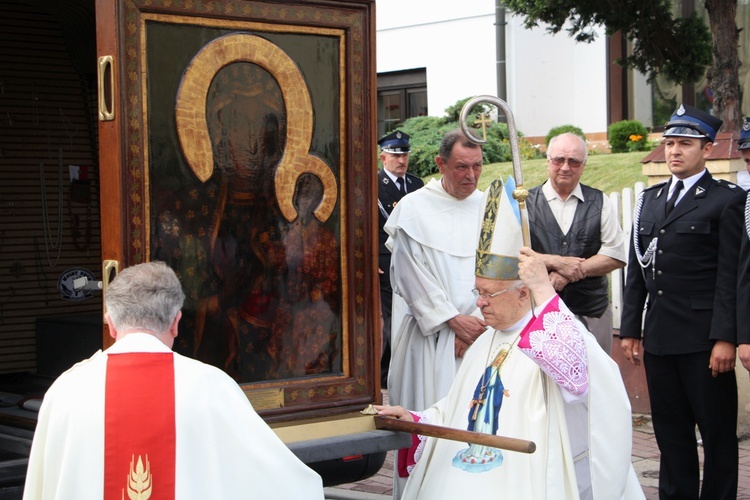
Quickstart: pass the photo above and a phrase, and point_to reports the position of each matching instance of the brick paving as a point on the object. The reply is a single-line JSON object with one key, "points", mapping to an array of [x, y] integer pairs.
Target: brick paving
{"points": [[645, 461]]}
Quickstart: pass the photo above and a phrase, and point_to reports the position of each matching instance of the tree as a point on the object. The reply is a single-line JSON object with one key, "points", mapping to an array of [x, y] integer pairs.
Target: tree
{"points": [[679, 49]]}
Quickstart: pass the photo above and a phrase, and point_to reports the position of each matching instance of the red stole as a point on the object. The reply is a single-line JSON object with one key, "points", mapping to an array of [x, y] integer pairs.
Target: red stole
{"points": [[139, 427]]}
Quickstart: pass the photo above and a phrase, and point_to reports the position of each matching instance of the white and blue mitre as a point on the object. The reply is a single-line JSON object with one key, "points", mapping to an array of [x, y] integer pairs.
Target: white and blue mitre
{"points": [[500, 237]]}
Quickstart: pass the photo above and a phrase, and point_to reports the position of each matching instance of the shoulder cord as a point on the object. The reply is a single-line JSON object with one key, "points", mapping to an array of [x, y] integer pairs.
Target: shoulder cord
{"points": [[747, 214], [382, 210], [649, 256]]}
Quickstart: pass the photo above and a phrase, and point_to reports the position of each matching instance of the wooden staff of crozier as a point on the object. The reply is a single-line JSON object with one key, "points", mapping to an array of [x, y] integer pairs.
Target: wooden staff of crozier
{"points": [[520, 193], [469, 437]]}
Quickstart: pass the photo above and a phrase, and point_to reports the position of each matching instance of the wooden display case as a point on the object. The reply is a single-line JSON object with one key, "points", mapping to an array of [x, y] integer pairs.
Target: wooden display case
{"points": [[237, 144]]}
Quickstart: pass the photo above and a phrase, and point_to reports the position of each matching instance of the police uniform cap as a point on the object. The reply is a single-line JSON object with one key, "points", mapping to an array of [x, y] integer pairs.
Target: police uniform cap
{"points": [[396, 143], [688, 121], [744, 142]]}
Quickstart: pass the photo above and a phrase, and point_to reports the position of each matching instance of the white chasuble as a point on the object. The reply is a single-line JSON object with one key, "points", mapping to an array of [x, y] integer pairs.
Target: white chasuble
{"points": [[222, 448], [575, 410]]}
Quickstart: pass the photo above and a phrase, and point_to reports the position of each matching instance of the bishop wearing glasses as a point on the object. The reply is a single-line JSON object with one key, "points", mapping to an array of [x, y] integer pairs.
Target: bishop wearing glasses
{"points": [[535, 374], [575, 229]]}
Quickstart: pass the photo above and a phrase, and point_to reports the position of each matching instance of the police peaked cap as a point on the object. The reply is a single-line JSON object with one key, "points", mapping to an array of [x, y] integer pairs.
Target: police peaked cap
{"points": [[396, 143], [688, 121]]}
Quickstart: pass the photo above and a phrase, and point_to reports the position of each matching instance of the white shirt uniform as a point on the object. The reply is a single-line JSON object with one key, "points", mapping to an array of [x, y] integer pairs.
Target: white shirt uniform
{"points": [[583, 442]]}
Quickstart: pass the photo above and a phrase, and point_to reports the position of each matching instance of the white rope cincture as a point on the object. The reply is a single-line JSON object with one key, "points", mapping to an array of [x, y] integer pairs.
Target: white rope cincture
{"points": [[647, 258]]}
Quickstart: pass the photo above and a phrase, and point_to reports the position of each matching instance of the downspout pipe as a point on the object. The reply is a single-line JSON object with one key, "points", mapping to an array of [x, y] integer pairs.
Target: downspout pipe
{"points": [[502, 91]]}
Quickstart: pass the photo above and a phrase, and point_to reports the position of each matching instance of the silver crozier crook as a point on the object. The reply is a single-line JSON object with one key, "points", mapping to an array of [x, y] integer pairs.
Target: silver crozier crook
{"points": [[520, 193]]}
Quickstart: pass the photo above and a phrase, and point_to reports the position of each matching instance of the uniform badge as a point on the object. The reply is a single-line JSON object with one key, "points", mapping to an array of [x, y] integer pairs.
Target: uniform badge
{"points": [[680, 110], [394, 204], [699, 191], [386, 180]]}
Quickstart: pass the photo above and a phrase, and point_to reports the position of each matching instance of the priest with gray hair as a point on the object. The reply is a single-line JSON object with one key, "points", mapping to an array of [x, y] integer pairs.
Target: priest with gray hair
{"points": [[138, 420]]}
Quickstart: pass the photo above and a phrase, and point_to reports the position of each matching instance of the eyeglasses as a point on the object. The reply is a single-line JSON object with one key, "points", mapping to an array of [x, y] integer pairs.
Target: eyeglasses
{"points": [[489, 296], [559, 161]]}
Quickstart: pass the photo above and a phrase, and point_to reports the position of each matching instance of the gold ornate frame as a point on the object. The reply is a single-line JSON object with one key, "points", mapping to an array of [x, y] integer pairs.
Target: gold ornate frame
{"points": [[351, 185]]}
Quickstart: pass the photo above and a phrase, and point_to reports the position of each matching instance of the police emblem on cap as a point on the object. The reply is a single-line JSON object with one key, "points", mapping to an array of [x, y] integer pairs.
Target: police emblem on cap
{"points": [[746, 126], [688, 121], [396, 142]]}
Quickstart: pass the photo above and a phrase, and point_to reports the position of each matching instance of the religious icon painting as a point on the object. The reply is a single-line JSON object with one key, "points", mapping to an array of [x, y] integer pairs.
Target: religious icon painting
{"points": [[245, 160]]}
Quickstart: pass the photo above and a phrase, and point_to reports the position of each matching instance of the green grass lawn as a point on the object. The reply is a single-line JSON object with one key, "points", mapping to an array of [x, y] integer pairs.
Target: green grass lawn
{"points": [[607, 172]]}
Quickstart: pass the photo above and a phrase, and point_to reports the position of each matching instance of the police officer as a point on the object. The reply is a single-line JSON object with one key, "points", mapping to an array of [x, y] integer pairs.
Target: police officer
{"points": [[682, 267], [743, 286], [394, 182], [743, 145]]}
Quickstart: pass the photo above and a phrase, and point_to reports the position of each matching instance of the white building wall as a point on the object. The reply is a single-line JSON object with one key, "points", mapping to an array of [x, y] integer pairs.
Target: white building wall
{"points": [[458, 54], [551, 80]]}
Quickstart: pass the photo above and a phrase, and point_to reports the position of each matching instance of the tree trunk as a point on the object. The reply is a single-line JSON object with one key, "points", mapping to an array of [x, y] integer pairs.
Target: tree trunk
{"points": [[723, 76]]}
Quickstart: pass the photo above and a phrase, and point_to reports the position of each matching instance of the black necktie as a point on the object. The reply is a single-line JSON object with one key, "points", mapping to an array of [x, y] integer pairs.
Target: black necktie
{"points": [[675, 194], [401, 186]]}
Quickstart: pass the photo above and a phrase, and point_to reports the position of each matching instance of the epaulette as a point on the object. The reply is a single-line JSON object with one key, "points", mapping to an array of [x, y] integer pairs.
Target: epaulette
{"points": [[725, 183], [657, 185]]}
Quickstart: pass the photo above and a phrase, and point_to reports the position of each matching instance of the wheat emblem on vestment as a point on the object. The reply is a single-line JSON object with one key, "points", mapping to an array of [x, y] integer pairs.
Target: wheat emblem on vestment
{"points": [[139, 480]]}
